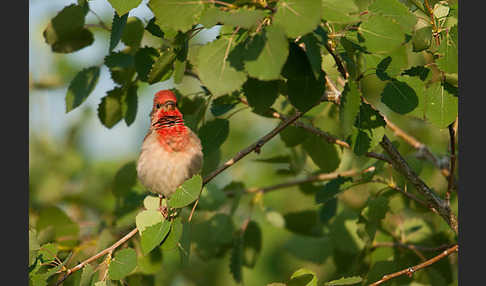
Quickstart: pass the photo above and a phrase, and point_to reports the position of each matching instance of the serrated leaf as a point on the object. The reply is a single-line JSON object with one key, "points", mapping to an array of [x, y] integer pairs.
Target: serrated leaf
{"points": [[123, 6], [261, 94], [179, 15], [147, 218], [325, 155], [122, 264], [154, 29], [129, 104], [223, 104], [396, 10], [448, 52], [236, 259], [144, 59], [81, 87], [360, 142], [151, 202], [303, 88], [162, 68], [175, 234], [213, 134], [330, 189], [117, 29], [65, 33], [187, 193], [303, 277], [381, 34], [399, 96], [121, 65], [110, 108], [153, 235], [349, 108], [368, 118], [252, 244], [133, 32], [214, 69], [125, 179], [340, 11], [297, 17], [266, 54], [344, 281]]}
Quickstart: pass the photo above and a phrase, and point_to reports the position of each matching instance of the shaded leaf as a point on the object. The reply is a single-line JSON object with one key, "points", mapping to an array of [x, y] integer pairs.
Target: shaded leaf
{"points": [[133, 32], [81, 87], [144, 59], [154, 29], [153, 235], [293, 136], [110, 108], [313, 52], [261, 94], [297, 17], [252, 244], [122, 264], [331, 189], [360, 142], [223, 104], [125, 179], [368, 118], [117, 29], [213, 134], [399, 97], [236, 260], [186, 193], [303, 222], [325, 155], [162, 68], [328, 210]]}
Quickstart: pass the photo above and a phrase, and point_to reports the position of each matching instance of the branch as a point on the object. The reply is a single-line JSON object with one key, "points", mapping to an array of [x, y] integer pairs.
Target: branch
{"points": [[432, 198], [409, 271], [450, 181], [316, 178]]}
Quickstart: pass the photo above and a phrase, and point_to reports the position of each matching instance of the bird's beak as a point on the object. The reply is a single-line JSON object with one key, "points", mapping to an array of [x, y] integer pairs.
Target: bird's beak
{"points": [[170, 105]]}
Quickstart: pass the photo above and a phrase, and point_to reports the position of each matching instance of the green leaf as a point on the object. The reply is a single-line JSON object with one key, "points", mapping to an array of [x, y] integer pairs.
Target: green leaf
{"points": [[65, 33], [252, 244], [421, 38], [162, 68], [303, 277], [395, 10], [331, 189], [179, 15], [325, 155], [441, 106], [121, 65], [293, 136], [213, 134], [349, 108], [266, 54], [129, 104], [448, 52], [154, 29], [381, 34], [297, 17], [214, 69], [223, 104], [48, 252], [117, 29], [110, 108], [149, 264], [392, 64], [87, 277], [236, 259], [153, 235], [123, 6], [133, 32], [368, 118], [360, 142], [144, 59], [313, 52], [340, 11], [304, 90], [303, 222], [242, 17], [148, 218], [399, 96], [122, 264], [100, 283], [261, 94], [344, 281], [81, 87], [186, 193], [175, 234], [343, 232], [328, 210], [151, 202], [61, 224], [221, 228], [275, 218], [125, 179]]}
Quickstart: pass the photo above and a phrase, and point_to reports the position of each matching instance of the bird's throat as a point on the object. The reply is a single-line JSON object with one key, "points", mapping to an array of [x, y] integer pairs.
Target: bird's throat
{"points": [[172, 134]]}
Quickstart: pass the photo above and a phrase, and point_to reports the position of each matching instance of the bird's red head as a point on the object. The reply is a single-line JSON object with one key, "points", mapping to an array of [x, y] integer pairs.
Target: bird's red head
{"points": [[164, 113]]}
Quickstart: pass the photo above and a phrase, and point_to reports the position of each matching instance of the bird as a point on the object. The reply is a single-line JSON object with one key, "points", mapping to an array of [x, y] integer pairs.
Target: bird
{"points": [[171, 152]]}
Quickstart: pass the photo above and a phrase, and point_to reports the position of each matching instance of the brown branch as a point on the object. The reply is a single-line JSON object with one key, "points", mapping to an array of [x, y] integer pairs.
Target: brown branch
{"points": [[450, 181], [407, 194], [339, 63], [432, 198], [316, 178], [409, 271]]}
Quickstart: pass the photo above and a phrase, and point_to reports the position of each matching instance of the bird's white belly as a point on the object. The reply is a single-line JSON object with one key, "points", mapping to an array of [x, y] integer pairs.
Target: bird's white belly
{"points": [[162, 171]]}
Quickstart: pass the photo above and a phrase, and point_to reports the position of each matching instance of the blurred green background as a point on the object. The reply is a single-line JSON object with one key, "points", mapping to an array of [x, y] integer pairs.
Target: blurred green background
{"points": [[73, 160]]}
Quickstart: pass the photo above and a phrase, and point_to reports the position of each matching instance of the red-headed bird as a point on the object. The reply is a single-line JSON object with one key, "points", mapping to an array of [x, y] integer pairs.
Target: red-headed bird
{"points": [[171, 153]]}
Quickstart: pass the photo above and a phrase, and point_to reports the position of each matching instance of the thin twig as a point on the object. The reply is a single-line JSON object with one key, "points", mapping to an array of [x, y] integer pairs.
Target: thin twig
{"points": [[409, 271], [450, 181], [432, 198], [338, 62], [407, 194]]}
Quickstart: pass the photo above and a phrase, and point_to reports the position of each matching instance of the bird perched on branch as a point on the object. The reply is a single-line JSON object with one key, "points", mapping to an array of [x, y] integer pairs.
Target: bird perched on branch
{"points": [[171, 152]]}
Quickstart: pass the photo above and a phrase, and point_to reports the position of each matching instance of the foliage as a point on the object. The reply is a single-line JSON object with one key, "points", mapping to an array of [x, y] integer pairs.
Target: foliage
{"points": [[379, 59]]}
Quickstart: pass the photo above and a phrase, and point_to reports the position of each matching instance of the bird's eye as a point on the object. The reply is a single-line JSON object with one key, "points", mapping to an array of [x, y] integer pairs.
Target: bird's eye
{"points": [[158, 105]]}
